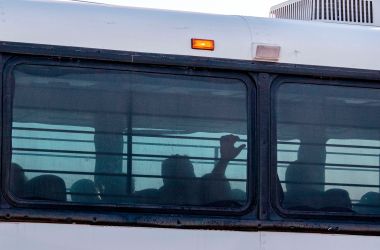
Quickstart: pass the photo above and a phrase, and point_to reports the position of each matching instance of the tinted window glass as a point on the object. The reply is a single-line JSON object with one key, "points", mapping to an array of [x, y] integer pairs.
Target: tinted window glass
{"points": [[328, 148], [82, 135]]}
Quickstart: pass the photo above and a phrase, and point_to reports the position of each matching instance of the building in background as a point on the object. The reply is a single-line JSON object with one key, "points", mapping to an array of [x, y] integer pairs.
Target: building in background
{"points": [[342, 11]]}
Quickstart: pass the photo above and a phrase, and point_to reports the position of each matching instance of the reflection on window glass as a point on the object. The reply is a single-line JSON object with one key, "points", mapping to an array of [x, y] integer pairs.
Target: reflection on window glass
{"points": [[95, 136], [328, 148], [286, 152]]}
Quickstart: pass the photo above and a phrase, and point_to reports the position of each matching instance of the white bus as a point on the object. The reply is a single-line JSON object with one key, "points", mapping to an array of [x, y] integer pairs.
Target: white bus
{"points": [[151, 129]]}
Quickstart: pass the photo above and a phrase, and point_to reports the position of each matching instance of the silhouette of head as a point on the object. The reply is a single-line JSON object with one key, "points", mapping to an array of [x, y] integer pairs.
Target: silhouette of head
{"points": [[175, 168], [84, 191]]}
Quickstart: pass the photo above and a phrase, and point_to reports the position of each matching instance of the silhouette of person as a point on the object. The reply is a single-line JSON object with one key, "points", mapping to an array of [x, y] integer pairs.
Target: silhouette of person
{"points": [[215, 185], [180, 183], [85, 191], [182, 187]]}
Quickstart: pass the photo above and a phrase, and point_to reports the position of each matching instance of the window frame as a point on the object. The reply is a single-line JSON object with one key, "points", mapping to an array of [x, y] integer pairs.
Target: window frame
{"points": [[274, 199], [251, 105]]}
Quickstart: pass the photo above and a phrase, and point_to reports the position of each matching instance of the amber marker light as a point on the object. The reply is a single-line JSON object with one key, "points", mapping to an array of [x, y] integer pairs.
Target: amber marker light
{"points": [[202, 44]]}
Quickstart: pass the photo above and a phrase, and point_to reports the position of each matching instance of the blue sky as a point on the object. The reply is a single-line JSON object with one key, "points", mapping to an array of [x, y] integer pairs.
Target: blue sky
{"points": [[235, 7]]}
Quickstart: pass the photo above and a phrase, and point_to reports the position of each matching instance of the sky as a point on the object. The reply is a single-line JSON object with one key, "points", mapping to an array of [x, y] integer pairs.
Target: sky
{"points": [[229, 7]]}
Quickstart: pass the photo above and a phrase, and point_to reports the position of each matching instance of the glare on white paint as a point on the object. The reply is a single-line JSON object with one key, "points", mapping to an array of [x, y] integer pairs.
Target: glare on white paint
{"points": [[236, 7]]}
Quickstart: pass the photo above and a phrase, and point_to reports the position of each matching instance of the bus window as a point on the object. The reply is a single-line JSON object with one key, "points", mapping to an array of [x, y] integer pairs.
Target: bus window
{"points": [[328, 147], [286, 152], [354, 163], [102, 136]]}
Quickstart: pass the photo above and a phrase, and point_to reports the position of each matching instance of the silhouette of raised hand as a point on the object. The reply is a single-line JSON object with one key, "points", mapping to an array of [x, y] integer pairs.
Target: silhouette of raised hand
{"points": [[228, 151]]}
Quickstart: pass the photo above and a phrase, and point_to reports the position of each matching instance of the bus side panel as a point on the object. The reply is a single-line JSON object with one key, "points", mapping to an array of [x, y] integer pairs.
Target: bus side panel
{"points": [[21, 236], [302, 241]]}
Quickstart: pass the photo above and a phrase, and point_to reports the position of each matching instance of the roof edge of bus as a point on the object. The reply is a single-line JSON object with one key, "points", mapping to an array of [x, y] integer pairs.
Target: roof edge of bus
{"points": [[121, 6], [170, 32]]}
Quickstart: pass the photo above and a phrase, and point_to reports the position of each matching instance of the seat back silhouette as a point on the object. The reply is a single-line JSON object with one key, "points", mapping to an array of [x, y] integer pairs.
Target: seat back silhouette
{"points": [[84, 191], [336, 200], [45, 187]]}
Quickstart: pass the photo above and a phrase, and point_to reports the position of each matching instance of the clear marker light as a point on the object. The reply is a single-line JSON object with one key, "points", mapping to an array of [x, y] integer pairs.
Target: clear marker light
{"points": [[202, 44], [267, 53]]}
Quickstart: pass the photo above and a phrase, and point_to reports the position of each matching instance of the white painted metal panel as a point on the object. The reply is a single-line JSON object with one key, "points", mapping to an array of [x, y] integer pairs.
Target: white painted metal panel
{"points": [[305, 241], [21, 236], [318, 43], [27, 236], [168, 32], [121, 28]]}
